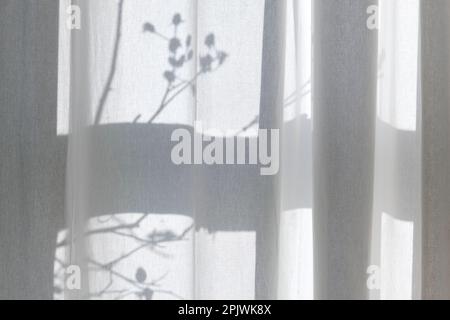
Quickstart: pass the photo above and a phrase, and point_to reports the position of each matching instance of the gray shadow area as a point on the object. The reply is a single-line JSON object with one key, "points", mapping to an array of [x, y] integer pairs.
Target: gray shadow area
{"points": [[344, 136], [130, 165], [32, 156]]}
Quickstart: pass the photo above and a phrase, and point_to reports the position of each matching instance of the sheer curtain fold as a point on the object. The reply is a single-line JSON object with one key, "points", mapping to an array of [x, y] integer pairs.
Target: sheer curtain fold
{"points": [[345, 56], [31, 155], [359, 208], [435, 54]]}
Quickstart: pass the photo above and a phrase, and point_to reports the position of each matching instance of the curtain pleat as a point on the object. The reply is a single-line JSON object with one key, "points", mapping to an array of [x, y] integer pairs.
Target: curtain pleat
{"points": [[435, 54], [344, 96], [32, 156], [359, 208]]}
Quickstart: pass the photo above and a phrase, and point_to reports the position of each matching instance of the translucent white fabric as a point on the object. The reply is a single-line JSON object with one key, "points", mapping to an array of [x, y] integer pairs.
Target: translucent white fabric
{"points": [[358, 210]]}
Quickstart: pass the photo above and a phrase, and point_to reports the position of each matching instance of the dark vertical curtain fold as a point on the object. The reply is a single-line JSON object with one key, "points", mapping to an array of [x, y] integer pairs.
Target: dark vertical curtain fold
{"points": [[435, 60], [344, 98], [32, 156]]}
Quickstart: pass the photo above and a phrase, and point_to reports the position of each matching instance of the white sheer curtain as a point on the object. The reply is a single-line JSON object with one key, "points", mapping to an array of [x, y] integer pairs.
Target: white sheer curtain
{"points": [[358, 88]]}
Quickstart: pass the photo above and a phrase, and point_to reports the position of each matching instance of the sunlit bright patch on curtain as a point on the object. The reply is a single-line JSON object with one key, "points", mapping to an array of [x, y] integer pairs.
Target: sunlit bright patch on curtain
{"points": [[396, 258], [134, 256], [225, 265], [295, 273], [295, 262], [62, 119], [398, 63], [60, 264], [297, 84], [229, 97]]}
